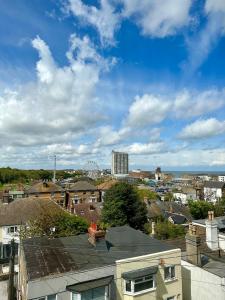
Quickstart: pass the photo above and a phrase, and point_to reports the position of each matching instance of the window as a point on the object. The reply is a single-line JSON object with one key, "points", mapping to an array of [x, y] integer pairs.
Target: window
{"points": [[49, 297], [169, 273], [99, 293], [140, 284], [170, 298], [12, 229]]}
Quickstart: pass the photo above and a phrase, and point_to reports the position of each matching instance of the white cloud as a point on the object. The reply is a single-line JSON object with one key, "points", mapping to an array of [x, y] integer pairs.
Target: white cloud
{"points": [[147, 110], [105, 19], [144, 148], [158, 18], [208, 37], [203, 129], [61, 104], [190, 104]]}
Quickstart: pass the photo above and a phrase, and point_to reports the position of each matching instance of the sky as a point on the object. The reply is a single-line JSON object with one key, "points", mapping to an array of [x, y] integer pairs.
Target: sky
{"points": [[80, 78]]}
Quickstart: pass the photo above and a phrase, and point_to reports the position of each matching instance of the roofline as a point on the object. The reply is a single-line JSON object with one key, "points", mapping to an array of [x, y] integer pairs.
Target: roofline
{"points": [[58, 275], [146, 256]]}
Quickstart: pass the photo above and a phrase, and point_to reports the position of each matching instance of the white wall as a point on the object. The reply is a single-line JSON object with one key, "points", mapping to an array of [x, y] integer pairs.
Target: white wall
{"points": [[7, 237], [212, 194], [221, 178], [3, 290], [222, 242], [199, 284]]}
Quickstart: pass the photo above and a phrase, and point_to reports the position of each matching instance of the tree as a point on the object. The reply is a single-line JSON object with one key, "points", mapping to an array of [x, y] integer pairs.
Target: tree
{"points": [[167, 230], [123, 206], [55, 224], [148, 194], [199, 209]]}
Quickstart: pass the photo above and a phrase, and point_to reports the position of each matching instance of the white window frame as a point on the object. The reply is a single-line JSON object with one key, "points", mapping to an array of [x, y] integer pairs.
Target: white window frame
{"points": [[107, 293], [132, 292], [170, 278], [46, 297], [15, 229]]}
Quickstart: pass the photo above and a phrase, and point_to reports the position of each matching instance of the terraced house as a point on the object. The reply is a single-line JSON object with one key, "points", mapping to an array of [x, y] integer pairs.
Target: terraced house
{"points": [[120, 264]]}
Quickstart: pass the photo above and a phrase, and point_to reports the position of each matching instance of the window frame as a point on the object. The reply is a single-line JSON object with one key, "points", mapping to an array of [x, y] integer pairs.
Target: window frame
{"points": [[46, 297], [107, 294], [140, 280], [170, 272]]}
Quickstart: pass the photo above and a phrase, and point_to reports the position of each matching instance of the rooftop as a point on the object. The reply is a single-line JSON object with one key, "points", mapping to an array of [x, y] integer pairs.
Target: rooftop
{"points": [[214, 184], [82, 186], [44, 187], [46, 257], [23, 210]]}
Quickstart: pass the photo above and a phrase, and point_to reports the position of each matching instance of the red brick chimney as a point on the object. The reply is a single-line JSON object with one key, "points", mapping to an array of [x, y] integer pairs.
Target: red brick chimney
{"points": [[95, 234]]}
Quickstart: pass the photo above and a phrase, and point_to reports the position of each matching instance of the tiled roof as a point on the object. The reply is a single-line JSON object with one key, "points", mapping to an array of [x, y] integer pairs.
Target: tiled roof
{"points": [[44, 187], [23, 210], [107, 184], [214, 184], [82, 186]]}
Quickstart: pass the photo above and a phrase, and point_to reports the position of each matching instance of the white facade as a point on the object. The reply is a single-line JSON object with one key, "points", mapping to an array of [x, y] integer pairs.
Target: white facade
{"points": [[8, 233], [221, 178], [212, 194], [200, 284]]}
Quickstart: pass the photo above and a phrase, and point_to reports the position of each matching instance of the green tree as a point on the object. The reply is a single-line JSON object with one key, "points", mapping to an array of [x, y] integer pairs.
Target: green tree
{"points": [[199, 209], [55, 224], [148, 194], [167, 230], [123, 206]]}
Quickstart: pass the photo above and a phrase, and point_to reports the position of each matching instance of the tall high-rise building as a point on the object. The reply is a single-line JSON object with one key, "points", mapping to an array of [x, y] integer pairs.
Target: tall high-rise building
{"points": [[120, 163]]}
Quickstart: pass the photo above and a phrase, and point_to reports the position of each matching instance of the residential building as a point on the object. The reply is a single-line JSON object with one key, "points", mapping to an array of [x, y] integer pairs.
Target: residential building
{"points": [[121, 264], [185, 194], [105, 186], [47, 189], [89, 211], [82, 192], [203, 266], [221, 178], [213, 190], [15, 216], [120, 163]]}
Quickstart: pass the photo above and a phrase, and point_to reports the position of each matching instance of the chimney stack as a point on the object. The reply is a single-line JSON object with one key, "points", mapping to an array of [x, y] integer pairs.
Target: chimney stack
{"points": [[212, 232], [193, 243], [153, 229], [95, 234]]}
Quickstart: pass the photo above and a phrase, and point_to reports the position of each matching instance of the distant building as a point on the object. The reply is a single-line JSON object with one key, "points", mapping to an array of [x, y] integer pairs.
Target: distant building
{"points": [[213, 190], [47, 190], [221, 178], [158, 174], [81, 192], [120, 164]]}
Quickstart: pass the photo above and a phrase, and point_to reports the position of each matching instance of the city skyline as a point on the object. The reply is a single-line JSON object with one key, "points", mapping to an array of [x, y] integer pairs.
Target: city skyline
{"points": [[80, 78]]}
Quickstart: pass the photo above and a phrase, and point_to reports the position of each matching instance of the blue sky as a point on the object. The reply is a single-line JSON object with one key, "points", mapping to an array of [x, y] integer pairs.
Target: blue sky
{"points": [[80, 78]]}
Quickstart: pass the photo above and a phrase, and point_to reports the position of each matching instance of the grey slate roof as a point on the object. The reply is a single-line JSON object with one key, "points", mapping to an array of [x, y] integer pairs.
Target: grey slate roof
{"points": [[82, 186], [177, 218], [220, 221], [23, 210], [46, 257], [214, 184]]}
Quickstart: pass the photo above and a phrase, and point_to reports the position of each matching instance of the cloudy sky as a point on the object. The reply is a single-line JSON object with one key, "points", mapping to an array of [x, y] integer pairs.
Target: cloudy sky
{"points": [[79, 78]]}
